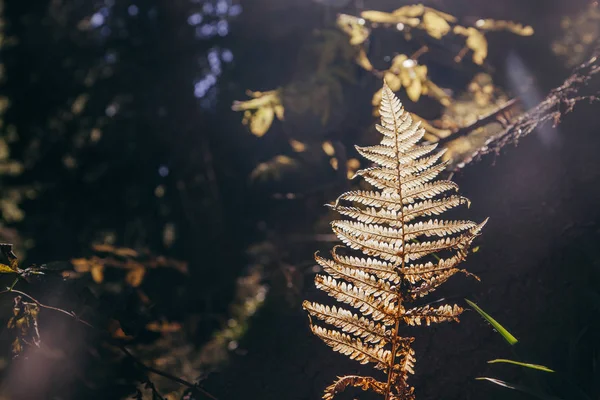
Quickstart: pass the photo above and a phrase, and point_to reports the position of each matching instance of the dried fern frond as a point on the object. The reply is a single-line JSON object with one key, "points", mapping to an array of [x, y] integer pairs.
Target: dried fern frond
{"points": [[392, 227]]}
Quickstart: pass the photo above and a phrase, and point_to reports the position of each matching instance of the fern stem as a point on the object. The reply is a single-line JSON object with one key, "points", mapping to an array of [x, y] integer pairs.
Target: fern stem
{"points": [[399, 297]]}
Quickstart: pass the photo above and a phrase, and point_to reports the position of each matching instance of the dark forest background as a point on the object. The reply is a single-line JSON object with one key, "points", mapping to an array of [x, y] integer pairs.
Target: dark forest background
{"points": [[116, 133]]}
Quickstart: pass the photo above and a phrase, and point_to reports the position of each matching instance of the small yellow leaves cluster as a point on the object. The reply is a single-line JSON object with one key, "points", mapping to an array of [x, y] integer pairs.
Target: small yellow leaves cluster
{"points": [[132, 262], [354, 27], [580, 33], [435, 25], [261, 110], [328, 148], [408, 74], [476, 41], [434, 22]]}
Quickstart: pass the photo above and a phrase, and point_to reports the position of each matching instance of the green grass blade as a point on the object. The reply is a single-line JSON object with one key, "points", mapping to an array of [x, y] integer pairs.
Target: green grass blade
{"points": [[522, 364], [520, 388], [499, 328]]}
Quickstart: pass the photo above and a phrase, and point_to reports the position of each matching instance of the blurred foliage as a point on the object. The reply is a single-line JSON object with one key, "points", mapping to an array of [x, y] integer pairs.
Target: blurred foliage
{"points": [[12, 195], [580, 33], [434, 32], [259, 112], [133, 262]]}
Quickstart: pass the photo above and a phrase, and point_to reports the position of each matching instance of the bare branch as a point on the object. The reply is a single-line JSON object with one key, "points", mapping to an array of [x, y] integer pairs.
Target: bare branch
{"points": [[560, 101]]}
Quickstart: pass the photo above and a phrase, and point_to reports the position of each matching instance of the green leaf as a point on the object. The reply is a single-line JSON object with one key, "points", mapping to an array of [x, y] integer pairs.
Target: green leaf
{"points": [[522, 364], [5, 269], [520, 388], [501, 330]]}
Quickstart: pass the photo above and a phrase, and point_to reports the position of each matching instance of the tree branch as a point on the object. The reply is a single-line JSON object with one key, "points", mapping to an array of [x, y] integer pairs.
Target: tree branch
{"points": [[560, 101]]}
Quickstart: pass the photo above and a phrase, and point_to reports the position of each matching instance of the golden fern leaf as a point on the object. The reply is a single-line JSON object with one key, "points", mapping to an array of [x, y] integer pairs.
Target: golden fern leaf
{"points": [[392, 228]]}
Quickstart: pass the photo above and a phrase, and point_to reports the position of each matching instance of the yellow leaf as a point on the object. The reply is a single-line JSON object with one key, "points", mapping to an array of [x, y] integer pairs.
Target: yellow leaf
{"points": [[435, 25], [415, 10], [379, 17], [81, 264], [393, 81], [476, 41], [376, 100], [114, 327], [5, 269], [437, 92], [353, 163], [493, 25], [334, 163], [135, 276], [298, 147], [354, 27], [414, 90], [261, 121], [445, 16], [97, 271], [363, 61], [421, 72], [279, 110], [328, 148]]}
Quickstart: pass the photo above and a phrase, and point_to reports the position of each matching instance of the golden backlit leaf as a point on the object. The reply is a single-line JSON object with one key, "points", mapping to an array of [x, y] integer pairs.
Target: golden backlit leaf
{"points": [[328, 148], [476, 41], [81, 264], [445, 16], [352, 165], [279, 111], [135, 276], [116, 331], [414, 10], [393, 80], [5, 269], [261, 120], [334, 163], [435, 25], [298, 146], [414, 89], [354, 27], [363, 60], [437, 93], [97, 271], [495, 25], [379, 17], [260, 111]]}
